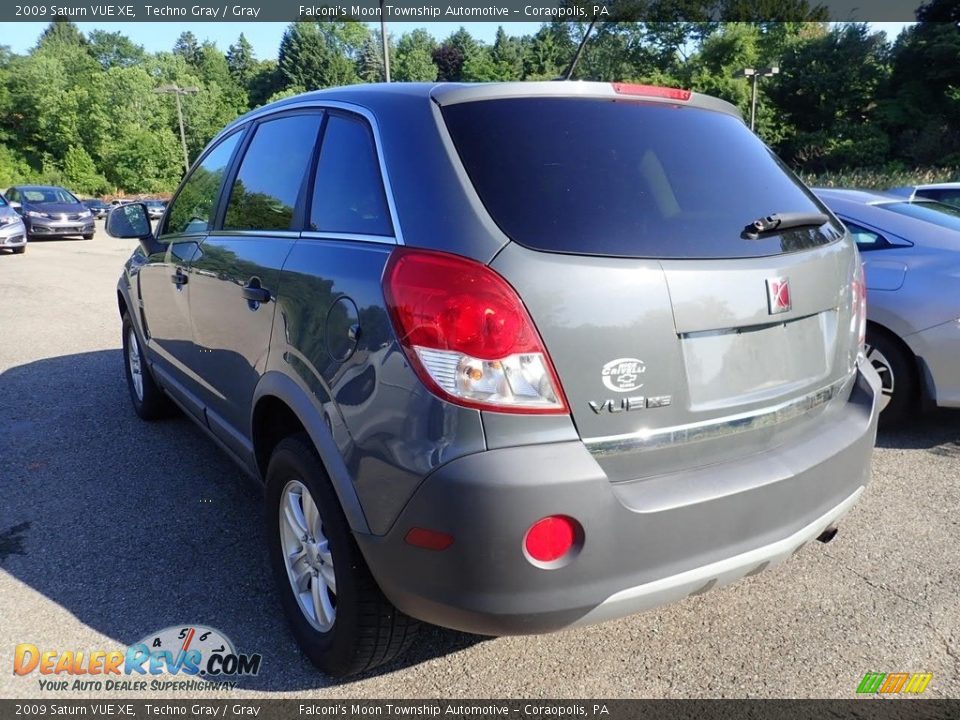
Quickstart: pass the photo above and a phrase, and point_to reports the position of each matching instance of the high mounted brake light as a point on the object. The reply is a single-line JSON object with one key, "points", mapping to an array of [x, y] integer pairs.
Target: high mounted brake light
{"points": [[651, 91], [467, 334]]}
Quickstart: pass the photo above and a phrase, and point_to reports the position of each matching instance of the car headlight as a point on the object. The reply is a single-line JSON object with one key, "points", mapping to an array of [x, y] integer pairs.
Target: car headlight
{"points": [[36, 214], [8, 219], [85, 213]]}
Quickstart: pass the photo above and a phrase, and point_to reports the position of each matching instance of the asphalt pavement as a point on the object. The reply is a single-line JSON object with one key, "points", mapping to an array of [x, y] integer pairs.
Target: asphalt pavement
{"points": [[111, 528]]}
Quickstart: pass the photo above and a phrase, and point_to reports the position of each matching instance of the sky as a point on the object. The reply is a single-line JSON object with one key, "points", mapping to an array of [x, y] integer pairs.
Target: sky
{"points": [[265, 37]]}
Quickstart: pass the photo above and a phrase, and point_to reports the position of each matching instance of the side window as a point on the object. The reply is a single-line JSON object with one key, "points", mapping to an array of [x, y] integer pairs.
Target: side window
{"points": [[193, 208], [866, 239], [271, 174], [348, 194]]}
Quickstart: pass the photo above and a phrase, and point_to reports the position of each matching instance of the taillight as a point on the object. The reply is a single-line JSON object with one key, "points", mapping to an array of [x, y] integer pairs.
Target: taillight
{"points": [[651, 91], [467, 334], [858, 319]]}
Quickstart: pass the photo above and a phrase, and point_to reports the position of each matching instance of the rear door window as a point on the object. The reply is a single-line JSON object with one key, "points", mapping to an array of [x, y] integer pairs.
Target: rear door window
{"points": [[271, 175], [629, 179], [348, 194], [949, 196]]}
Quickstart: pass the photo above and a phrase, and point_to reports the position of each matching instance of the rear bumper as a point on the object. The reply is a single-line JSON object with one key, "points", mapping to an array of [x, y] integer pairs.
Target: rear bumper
{"points": [[646, 542]]}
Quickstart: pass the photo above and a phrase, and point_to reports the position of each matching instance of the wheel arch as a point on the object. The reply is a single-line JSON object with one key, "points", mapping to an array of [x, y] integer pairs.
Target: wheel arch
{"points": [[280, 408], [921, 374]]}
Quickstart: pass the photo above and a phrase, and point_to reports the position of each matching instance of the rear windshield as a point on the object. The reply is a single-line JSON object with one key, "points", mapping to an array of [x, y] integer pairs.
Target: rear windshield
{"points": [[627, 179], [933, 212]]}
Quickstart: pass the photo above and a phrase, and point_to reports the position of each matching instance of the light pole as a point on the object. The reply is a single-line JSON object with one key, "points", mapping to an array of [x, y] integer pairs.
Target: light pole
{"points": [[384, 39], [754, 74], [177, 91]]}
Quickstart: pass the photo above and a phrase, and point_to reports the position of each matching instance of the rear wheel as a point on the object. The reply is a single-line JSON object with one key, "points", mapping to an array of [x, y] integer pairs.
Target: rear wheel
{"points": [[898, 375], [149, 401], [336, 611]]}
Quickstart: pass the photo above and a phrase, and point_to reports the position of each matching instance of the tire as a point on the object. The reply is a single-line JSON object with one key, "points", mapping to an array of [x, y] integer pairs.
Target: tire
{"points": [[363, 630], [149, 401], [88, 237], [898, 376], [20, 250]]}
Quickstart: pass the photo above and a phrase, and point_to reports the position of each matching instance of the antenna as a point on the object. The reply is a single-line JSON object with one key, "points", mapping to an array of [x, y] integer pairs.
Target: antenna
{"points": [[576, 58], [385, 43]]}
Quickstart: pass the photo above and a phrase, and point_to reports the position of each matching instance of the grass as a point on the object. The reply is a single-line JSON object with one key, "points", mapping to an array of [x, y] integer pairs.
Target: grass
{"points": [[880, 179]]}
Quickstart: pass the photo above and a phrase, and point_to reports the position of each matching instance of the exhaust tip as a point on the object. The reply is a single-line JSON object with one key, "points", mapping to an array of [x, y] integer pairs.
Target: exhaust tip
{"points": [[829, 534]]}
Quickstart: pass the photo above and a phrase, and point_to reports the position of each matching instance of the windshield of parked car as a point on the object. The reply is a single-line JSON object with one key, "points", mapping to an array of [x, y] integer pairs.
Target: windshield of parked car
{"points": [[156, 203], [933, 212], [628, 179], [39, 196], [3, 201]]}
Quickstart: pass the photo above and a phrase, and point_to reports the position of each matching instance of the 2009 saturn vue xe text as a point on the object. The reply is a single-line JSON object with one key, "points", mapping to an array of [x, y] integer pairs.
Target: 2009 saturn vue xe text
{"points": [[508, 358]]}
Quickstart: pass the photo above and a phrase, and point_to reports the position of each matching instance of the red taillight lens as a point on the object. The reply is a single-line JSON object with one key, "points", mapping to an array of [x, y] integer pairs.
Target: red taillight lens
{"points": [[651, 91], [468, 335], [858, 321], [552, 538]]}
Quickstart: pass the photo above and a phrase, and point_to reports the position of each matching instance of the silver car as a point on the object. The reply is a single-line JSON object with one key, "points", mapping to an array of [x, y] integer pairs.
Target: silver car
{"points": [[911, 252], [948, 192], [13, 234], [508, 358]]}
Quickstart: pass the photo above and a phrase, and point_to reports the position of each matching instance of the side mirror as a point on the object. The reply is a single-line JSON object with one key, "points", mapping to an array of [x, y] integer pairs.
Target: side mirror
{"points": [[16, 207], [132, 221]]}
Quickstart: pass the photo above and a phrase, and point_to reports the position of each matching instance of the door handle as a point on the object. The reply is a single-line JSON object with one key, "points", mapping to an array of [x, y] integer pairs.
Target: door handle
{"points": [[254, 292], [178, 278]]}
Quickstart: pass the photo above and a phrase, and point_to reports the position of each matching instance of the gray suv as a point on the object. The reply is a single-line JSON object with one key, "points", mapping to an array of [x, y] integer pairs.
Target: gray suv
{"points": [[508, 358]]}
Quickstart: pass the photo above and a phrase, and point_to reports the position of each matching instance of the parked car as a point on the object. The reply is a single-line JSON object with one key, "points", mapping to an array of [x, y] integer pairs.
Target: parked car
{"points": [[13, 235], [509, 358], [50, 211], [155, 208], [98, 207], [948, 193], [911, 252]]}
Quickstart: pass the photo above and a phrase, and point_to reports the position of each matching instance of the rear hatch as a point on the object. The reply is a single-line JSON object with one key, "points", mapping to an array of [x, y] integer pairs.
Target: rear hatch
{"points": [[668, 323]]}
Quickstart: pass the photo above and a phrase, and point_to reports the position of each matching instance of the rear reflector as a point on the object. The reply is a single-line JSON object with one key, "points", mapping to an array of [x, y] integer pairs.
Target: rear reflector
{"points": [[428, 539], [651, 91], [552, 538]]}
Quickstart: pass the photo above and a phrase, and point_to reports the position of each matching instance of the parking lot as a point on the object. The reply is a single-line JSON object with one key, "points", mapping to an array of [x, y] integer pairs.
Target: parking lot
{"points": [[111, 528]]}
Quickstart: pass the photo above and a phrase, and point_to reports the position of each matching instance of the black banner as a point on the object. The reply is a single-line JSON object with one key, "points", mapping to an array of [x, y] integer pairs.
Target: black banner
{"points": [[504, 11], [864, 709]]}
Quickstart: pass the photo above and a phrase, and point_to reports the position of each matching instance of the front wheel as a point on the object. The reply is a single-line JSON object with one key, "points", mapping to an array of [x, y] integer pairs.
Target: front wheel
{"points": [[898, 376], [336, 611], [88, 237], [149, 401], [19, 250]]}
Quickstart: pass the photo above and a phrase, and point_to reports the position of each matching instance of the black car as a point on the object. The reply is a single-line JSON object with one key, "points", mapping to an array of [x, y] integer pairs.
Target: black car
{"points": [[98, 207], [50, 211]]}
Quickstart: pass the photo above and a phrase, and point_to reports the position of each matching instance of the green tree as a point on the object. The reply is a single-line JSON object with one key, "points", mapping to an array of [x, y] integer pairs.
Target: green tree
{"points": [[80, 173], [241, 61], [61, 33], [114, 49], [827, 91], [188, 47], [317, 55], [370, 67], [414, 57]]}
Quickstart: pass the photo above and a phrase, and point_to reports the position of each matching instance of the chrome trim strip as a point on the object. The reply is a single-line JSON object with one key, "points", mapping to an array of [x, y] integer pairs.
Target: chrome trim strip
{"points": [[378, 239], [292, 234], [652, 439]]}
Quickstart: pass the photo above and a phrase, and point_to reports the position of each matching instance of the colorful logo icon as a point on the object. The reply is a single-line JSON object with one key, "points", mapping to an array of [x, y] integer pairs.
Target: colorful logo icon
{"points": [[894, 683]]}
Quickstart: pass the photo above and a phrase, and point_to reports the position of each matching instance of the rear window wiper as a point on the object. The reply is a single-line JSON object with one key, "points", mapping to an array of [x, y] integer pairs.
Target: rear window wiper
{"points": [[783, 221]]}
